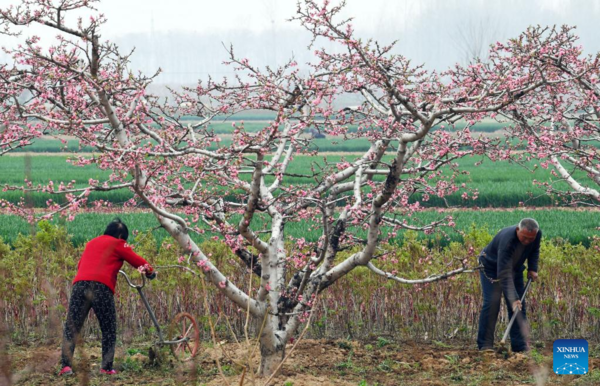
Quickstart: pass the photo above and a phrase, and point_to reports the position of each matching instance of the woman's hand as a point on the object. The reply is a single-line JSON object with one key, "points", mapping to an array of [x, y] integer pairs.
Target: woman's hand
{"points": [[147, 270]]}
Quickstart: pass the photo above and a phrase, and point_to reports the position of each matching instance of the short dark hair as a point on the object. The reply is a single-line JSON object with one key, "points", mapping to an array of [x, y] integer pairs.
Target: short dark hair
{"points": [[117, 229]]}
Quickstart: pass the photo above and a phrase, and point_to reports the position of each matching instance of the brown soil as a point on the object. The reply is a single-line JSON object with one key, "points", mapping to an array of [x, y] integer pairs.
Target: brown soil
{"points": [[312, 362]]}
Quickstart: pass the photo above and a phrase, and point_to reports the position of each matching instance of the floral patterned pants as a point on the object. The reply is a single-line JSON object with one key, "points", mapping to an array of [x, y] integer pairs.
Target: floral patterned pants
{"points": [[97, 296]]}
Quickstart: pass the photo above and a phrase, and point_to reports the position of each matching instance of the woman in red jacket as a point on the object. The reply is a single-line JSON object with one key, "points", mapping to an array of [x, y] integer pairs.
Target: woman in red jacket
{"points": [[94, 287]]}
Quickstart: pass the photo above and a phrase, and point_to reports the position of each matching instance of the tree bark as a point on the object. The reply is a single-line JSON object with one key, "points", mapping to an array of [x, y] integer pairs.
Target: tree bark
{"points": [[272, 351]]}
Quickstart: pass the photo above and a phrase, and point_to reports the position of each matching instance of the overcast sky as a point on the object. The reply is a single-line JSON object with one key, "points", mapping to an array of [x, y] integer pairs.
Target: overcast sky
{"points": [[209, 16], [370, 15], [185, 37], [256, 15]]}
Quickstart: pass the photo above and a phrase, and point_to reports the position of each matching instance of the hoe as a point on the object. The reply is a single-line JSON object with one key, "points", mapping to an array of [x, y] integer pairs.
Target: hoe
{"points": [[503, 347]]}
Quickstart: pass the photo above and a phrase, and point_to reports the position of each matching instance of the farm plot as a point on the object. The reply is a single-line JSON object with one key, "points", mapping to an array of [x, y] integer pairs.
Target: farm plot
{"points": [[499, 184], [573, 226]]}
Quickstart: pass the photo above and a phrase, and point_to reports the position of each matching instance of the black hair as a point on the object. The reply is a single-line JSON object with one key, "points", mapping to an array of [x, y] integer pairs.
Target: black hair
{"points": [[117, 229]]}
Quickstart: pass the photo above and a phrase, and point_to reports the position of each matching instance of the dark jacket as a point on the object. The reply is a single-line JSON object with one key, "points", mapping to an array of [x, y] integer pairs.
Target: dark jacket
{"points": [[497, 259]]}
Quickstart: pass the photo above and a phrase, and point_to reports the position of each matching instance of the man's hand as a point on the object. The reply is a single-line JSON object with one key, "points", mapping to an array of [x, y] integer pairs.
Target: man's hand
{"points": [[517, 306], [532, 275]]}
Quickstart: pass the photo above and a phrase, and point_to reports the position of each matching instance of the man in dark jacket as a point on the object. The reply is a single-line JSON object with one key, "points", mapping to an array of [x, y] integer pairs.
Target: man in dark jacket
{"points": [[503, 265]]}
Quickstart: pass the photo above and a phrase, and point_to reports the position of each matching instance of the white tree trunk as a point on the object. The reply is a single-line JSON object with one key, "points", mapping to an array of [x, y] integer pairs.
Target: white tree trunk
{"points": [[272, 347]]}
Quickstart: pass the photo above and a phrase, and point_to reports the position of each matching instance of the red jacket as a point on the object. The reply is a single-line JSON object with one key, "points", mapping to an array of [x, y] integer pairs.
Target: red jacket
{"points": [[102, 259]]}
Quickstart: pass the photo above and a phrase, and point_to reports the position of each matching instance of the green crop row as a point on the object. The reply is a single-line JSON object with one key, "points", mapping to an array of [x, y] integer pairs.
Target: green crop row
{"points": [[499, 184], [329, 144], [566, 225]]}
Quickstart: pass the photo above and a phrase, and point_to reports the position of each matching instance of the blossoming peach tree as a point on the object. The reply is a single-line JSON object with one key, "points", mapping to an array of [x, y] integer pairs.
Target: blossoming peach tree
{"points": [[245, 193], [15, 131], [559, 124]]}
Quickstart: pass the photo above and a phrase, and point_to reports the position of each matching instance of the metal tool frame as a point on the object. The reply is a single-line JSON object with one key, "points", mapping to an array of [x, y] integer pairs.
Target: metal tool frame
{"points": [[139, 288]]}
